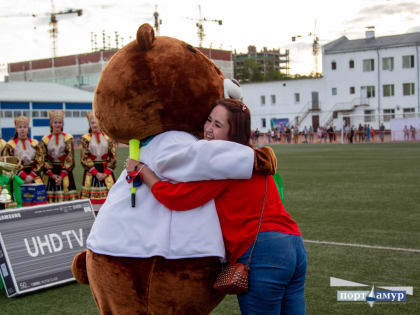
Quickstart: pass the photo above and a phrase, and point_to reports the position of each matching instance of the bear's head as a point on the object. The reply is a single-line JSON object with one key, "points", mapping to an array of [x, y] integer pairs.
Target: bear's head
{"points": [[153, 85]]}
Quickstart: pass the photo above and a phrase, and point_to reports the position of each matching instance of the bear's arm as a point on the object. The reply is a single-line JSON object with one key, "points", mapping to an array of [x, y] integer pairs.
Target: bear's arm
{"points": [[182, 158]]}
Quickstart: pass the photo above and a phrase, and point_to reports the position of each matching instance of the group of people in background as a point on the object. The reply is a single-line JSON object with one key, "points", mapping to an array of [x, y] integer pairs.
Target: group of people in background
{"points": [[51, 161], [409, 132], [363, 133], [352, 134], [292, 134]]}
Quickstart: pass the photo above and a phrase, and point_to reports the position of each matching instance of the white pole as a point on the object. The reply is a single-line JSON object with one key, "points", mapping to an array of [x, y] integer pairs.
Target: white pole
{"points": [[341, 120]]}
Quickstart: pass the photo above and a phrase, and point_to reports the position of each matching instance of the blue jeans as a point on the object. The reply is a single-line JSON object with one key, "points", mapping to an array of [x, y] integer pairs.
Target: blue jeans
{"points": [[276, 276]]}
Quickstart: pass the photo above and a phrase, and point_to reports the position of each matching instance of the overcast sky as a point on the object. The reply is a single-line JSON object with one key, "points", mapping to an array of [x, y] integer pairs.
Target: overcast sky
{"points": [[269, 23]]}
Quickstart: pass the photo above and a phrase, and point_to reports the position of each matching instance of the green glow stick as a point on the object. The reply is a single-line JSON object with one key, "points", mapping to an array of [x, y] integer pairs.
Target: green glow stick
{"points": [[134, 149]]}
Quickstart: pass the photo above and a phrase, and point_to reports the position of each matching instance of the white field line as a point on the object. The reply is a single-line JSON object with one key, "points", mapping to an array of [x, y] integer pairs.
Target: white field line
{"points": [[365, 246]]}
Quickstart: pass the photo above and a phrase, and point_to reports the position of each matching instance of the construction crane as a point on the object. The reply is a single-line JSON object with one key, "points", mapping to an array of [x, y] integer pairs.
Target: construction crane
{"points": [[53, 23], [315, 46], [158, 21], [200, 27]]}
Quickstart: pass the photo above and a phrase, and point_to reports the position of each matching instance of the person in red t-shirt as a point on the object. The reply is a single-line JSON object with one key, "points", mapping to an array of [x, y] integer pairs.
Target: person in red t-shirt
{"points": [[278, 264]]}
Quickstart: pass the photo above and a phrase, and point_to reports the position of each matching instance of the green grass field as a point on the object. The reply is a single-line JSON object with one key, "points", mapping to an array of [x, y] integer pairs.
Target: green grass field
{"points": [[363, 193]]}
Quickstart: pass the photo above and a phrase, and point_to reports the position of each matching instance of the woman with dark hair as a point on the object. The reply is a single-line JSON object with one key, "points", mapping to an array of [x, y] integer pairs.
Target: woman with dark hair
{"points": [[98, 157], [27, 150], [58, 150], [278, 263]]}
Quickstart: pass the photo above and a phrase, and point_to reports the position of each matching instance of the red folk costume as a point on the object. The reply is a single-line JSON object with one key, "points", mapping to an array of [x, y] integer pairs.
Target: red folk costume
{"points": [[2, 145], [98, 155], [28, 150], [58, 150], [239, 228]]}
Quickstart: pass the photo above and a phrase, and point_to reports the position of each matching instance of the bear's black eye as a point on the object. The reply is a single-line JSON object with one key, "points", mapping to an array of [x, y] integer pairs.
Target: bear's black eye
{"points": [[191, 48]]}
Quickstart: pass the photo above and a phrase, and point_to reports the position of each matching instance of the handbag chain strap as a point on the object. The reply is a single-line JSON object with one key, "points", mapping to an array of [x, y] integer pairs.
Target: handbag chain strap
{"points": [[259, 224]]}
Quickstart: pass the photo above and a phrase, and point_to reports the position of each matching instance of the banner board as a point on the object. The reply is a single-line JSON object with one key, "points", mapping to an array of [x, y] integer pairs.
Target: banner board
{"points": [[397, 129], [37, 244]]}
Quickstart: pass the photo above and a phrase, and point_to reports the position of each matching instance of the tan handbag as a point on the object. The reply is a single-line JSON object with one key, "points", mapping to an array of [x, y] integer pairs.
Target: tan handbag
{"points": [[233, 279]]}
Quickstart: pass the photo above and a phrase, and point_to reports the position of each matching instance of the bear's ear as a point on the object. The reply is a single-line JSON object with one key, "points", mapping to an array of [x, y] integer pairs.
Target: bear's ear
{"points": [[145, 37]]}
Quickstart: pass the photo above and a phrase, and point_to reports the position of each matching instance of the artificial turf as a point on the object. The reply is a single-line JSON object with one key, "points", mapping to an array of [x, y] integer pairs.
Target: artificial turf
{"points": [[361, 193]]}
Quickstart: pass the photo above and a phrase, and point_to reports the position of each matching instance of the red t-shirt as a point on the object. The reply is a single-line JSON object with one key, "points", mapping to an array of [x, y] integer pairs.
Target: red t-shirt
{"points": [[238, 204]]}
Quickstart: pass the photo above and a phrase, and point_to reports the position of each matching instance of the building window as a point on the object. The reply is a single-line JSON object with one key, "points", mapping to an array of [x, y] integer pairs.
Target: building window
{"points": [[369, 115], [368, 91], [368, 65], [333, 65], [35, 114], [262, 99], [388, 63], [352, 90], [44, 114], [297, 98], [334, 91], [408, 89], [17, 113], [388, 89], [409, 112], [408, 61], [389, 114], [351, 64], [83, 113], [273, 99], [67, 113], [26, 113], [263, 122], [8, 114]]}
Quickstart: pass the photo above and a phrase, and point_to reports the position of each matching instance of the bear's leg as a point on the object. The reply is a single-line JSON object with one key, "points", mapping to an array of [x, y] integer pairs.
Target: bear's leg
{"points": [[184, 286], [153, 285], [119, 285], [78, 268]]}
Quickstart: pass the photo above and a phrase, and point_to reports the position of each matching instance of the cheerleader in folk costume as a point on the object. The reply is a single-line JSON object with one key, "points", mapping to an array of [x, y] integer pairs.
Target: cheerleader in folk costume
{"points": [[2, 145], [98, 157], [26, 149], [58, 150]]}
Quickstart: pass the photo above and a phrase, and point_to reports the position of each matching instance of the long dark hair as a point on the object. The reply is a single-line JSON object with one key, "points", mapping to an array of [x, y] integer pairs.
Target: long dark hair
{"points": [[239, 120]]}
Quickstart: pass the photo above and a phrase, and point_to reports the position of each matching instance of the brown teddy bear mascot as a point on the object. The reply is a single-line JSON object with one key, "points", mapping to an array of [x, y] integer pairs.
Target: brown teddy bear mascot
{"points": [[143, 258]]}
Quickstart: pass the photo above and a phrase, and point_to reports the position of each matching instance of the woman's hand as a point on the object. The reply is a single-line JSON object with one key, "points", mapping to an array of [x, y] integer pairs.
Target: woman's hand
{"points": [[146, 174], [131, 165], [101, 176], [29, 179], [57, 179]]}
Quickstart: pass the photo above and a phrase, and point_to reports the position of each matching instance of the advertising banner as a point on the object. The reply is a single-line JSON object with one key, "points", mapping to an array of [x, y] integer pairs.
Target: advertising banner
{"points": [[37, 244]]}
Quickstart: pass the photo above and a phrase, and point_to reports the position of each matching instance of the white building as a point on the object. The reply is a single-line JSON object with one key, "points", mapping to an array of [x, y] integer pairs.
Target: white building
{"points": [[35, 99], [294, 102], [370, 80]]}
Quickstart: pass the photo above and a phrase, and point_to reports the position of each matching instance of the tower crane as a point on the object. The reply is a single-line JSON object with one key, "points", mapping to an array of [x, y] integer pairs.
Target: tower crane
{"points": [[200, 27], [315, 46], [158, 21], [53, 23]]}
